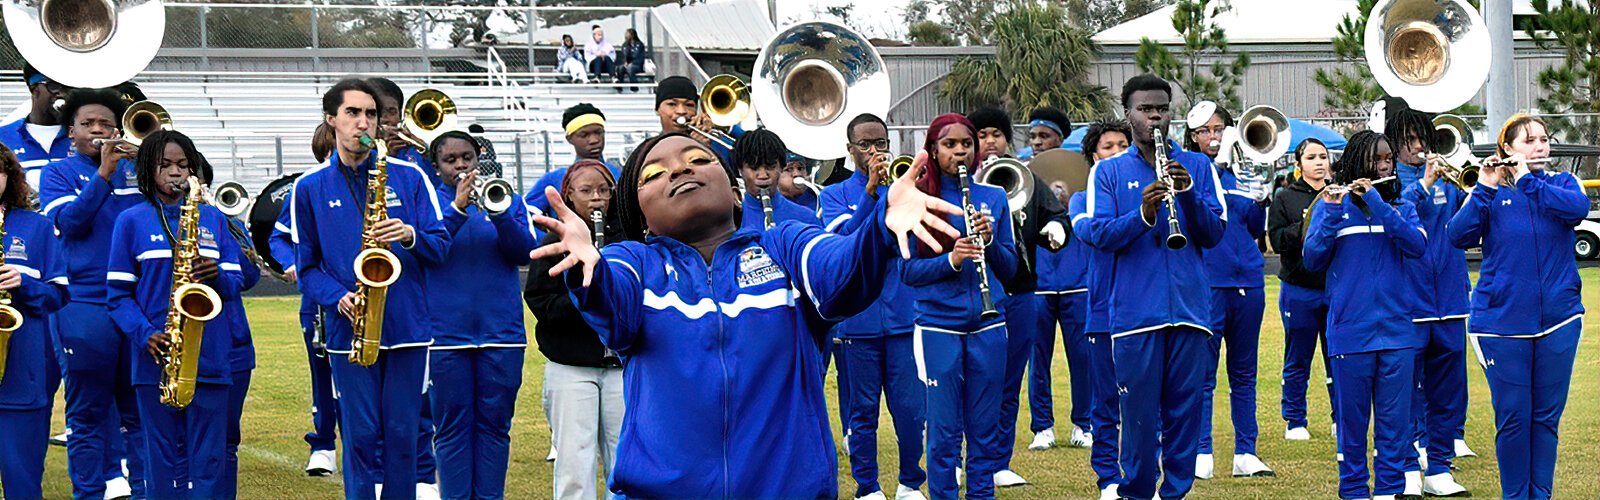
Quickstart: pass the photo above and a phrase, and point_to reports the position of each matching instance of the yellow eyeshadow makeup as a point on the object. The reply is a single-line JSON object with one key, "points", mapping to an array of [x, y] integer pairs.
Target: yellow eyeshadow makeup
{"points": [[650, 172]]}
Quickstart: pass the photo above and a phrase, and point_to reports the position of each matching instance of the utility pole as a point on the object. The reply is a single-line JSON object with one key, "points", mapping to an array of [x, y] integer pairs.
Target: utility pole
{"points": [[1500, 97]]}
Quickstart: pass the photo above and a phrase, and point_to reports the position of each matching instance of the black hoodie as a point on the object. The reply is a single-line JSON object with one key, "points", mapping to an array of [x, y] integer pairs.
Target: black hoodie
{"points": [[1284, 220], [563, 336]]}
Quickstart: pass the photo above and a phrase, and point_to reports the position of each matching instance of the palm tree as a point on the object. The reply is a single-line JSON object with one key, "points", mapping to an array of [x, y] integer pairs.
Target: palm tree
{"points": [[1040, 60]]}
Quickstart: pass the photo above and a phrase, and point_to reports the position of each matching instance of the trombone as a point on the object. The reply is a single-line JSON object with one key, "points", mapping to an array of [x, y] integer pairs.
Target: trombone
{"points": [[429, 113], [725, 100]]}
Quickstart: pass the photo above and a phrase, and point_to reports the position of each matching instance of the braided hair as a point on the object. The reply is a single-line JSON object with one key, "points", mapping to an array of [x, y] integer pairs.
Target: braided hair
{"points": [[153, 151], [626, 199], [759, 147], [1359, 153], [1406, 123]]}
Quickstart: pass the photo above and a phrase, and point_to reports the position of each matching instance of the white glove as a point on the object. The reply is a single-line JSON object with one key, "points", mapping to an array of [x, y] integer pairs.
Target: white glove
{"points": [[1055, 235]]}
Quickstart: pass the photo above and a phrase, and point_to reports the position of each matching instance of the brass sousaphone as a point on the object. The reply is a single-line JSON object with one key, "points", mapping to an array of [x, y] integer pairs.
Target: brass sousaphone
{"points": [[86, 43], [1433, 53], [810, 80]]}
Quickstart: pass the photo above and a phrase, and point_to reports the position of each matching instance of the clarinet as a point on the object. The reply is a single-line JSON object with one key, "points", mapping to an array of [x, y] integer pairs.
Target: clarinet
{"points": [[989, 312], [598, 218], [766, 208], [1175, 238]]}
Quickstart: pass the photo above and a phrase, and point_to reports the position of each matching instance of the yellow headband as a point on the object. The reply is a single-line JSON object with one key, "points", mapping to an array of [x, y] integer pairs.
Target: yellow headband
{"points": [[584, 121], [1505, 128]]}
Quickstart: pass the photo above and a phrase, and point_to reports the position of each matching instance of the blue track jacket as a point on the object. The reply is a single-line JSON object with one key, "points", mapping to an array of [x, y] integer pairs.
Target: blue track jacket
{"points": [[329, 206], [139, 286], [1066, 270], [32, 248], [948, 300], [843, 206], [1236, 262], [1529, 284], [1162, 288], [1439, 278], [84, 207], [723, 396], [1097, 274], [1365, 258], [243, 356], [479, 272], [782, 210], [30, 153]]}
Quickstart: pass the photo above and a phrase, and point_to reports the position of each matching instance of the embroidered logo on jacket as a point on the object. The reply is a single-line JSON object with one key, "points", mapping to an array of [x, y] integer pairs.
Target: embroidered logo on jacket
{"points": [[207, 239], [18, 249], [756, 268], [1133, 184], [1505, 202], [390, 198]]}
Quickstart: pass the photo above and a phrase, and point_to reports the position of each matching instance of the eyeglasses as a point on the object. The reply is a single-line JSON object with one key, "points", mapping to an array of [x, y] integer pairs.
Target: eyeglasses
{"points": [[864, 145], [595, 192]]}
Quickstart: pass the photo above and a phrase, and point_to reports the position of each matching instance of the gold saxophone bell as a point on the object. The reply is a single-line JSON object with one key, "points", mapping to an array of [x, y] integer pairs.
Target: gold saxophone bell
{"points": [[142, 119], [1430, 52], [811, 79], [429, 113], [10, 317], [86, 43]]}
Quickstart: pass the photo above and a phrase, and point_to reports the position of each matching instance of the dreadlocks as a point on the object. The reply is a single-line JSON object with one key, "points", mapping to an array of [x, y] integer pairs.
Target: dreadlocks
{"points": [[1407, 125], [151, 154], [1359, 157], [759, 147], [626, 200]]}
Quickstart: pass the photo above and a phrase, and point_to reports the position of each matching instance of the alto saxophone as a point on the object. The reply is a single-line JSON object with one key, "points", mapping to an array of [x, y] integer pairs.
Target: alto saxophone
{"points": [[191, 305], [10, 317], [376, 267]]}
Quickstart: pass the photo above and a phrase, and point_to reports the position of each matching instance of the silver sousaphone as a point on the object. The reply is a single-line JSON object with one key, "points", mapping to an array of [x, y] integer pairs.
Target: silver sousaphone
{"points": [[1433, 53], [810, 80], [86, 43]]}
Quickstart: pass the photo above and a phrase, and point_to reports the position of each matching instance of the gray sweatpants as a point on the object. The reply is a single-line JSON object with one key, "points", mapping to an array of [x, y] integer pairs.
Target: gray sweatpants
{"points": [[584, 407]]}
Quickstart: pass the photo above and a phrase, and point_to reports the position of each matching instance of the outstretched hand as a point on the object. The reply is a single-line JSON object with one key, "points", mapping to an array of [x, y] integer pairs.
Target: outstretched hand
{"points": [[573, 240], [913, 211]]}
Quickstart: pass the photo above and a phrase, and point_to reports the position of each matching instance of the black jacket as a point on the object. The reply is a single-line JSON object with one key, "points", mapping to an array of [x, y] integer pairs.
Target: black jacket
{"points": [[563, 336], [1042, 207], [1284, 223]]}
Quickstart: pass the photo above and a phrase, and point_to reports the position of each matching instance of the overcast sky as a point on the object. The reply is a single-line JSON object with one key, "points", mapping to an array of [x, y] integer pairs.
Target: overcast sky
{"points": [[878, 18]]}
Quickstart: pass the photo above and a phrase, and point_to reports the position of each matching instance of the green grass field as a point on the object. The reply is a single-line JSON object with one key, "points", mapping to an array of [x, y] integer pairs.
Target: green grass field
{"points": [[278, 409]]}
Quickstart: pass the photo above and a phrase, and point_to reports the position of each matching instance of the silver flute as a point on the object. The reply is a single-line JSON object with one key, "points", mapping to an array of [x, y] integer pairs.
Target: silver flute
{"points": [[1175, 238]]}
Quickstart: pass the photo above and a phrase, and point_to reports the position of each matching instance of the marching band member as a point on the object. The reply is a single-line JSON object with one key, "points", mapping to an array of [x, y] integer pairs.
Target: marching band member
{"points": [[1101, 141], [39, 137], [1237, 299], [1042, 215], [1527, 316], [760, 428], [678, 98], [877, 357], [582, 379], [798, 167], [1439, 280], [585, 128], [960, 352], [83, 194], [1160, 321], [391, 99], [323, 460], [1301, 299], [184, 448], [476, 357], [378, 404], [1363, 249], [242, 355], [759, 155], [36, 279], [1062, 301]]}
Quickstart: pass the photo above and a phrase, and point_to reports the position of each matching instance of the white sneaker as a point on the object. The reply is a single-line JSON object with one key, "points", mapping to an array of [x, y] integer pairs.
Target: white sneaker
{"points": [[1007, 479], [1081, 438], [552, 456], [904, 492], [1443, 485], [1297, 434], [876, 495], [1383, 497], [1247, 465], [1413, 483], [322, 463], [1462, 450], [1043, 440], [1204, 466], [117, 488], [426, 491], [1110, 493]]}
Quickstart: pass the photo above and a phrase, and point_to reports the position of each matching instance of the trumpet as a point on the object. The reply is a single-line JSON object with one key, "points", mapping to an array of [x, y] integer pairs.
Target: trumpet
{"points": [[1175, 238], [231, 199], [121, 144], [894, 168], [142, 119], [494, 195], [989, 311]]}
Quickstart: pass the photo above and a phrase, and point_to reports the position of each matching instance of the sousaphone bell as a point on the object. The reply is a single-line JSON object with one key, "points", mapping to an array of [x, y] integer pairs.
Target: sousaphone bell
{"points": [[810, 80], [86, 43], [1432, 53]]}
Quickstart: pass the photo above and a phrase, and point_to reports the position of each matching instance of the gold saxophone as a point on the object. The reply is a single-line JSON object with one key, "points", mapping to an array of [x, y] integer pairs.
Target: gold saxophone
{"points": [[192, 305], [376, 267], [10, 317]]}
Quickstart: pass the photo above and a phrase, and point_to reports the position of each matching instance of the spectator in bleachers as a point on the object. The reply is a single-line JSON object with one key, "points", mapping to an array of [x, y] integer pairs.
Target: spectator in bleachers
{"points": [[631, 62], [602, 56], [585, 127], [38, 137], [569, 60]]}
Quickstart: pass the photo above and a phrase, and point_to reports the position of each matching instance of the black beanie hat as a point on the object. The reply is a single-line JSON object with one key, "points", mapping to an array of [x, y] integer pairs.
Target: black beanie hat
{"points": [[676, 87]]}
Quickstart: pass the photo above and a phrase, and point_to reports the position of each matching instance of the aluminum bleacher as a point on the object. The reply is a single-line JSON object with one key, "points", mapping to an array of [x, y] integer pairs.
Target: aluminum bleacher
{"points": [[254, 130]]}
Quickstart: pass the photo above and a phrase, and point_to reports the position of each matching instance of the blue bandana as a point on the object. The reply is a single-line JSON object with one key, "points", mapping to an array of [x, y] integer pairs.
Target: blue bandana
{"points": [[1046, 123]]}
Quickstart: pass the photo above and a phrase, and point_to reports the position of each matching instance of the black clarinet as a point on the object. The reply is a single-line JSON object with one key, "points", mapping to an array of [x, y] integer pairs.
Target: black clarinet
{"points": [[1175, 237], [989, 312], [598, 218]]}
